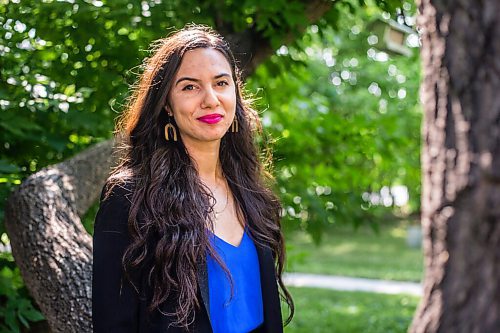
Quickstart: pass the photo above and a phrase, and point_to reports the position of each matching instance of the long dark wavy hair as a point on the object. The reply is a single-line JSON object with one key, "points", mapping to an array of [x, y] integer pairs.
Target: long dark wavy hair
{"points": [[170, 207]]}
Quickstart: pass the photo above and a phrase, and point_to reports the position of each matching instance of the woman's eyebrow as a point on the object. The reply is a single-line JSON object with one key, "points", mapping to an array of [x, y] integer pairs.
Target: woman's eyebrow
{"points": [[221, 75], [186, 78]]}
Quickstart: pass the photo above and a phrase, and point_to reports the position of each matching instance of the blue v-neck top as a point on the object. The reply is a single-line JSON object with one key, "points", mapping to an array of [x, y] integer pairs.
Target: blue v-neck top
{"points": [[244, 311]]}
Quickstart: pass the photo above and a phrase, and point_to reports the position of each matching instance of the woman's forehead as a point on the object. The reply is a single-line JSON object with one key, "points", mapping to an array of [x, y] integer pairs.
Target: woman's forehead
{"points": [[203, 61]]}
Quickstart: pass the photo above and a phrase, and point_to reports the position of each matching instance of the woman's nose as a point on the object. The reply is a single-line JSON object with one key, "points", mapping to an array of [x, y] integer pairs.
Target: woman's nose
{"points": [[210, 99]]}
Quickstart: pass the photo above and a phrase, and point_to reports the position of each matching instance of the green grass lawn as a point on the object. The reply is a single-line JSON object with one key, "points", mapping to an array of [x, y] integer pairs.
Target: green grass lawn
{"points": [[328, 311], [358, 253]]}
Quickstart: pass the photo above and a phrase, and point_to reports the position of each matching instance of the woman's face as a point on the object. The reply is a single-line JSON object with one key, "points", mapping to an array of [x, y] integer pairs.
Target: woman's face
{"points": [[203, 96]]}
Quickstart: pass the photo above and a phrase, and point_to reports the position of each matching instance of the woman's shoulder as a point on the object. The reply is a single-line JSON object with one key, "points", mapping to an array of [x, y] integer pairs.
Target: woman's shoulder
{"points": [[117, 191], [115, 202]]}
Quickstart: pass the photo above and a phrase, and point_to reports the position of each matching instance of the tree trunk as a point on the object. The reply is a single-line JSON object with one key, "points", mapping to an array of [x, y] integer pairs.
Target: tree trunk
{"points": [[50, 245], [461, 166], [251, 47]]}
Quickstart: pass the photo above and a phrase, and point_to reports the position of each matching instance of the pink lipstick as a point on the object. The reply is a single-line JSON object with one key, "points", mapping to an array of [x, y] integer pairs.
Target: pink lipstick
{"points": [[212, 118]]}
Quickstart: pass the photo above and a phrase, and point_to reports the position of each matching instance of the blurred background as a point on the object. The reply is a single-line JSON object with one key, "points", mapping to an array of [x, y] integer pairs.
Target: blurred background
{"points": [[338, 97]]}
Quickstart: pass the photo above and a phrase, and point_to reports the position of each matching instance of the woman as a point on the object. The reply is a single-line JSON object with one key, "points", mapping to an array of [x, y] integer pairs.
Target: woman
{"points": [[187, 237]]}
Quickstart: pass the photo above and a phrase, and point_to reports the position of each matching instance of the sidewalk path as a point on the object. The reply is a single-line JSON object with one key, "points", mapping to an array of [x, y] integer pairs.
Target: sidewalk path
{"points": [[352, 284]]}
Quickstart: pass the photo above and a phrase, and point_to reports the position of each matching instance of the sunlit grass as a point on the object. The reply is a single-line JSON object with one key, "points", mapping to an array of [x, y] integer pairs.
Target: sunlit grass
{"points": [[358, 253], [319, 310]]}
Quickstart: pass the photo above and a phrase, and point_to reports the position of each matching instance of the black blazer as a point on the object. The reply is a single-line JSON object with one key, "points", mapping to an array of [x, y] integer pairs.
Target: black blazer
{"points": [[116, 305]]}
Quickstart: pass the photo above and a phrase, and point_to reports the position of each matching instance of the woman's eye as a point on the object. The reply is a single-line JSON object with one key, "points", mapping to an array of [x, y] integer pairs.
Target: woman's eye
{"points": [[188, 87], [222, 83]]}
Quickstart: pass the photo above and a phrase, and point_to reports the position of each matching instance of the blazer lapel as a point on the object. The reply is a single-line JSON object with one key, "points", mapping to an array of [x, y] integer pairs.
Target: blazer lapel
{"points": [[203, 286], [273, 322]]}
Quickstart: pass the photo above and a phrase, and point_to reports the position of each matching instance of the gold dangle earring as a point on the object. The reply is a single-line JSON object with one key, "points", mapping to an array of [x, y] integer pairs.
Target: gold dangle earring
{"points": [[170, 126], [234, 125]]}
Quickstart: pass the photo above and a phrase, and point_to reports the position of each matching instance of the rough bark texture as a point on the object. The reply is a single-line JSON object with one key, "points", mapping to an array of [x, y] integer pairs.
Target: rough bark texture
{"points": [[49, 243], [461, 166]]}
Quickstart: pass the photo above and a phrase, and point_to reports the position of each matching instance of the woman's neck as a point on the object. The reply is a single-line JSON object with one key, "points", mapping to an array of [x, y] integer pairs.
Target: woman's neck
{"points": [[206, 161]]}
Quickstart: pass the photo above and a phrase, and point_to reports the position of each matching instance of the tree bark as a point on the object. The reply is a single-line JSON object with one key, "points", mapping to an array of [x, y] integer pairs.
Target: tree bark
{"points": [[50, 245], [461, 166]]}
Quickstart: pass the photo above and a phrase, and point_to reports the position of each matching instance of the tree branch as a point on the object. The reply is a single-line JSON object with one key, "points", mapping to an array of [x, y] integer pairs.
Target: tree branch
{"points": [[251, 47], [49, 243]]}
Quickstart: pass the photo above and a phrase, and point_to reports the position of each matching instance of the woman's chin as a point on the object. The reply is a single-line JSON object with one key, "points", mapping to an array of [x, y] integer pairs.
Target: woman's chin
{"points": [[200, 139]]}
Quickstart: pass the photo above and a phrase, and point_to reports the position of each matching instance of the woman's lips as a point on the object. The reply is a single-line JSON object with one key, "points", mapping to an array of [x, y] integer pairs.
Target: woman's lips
{"points": [[213, 118]]}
